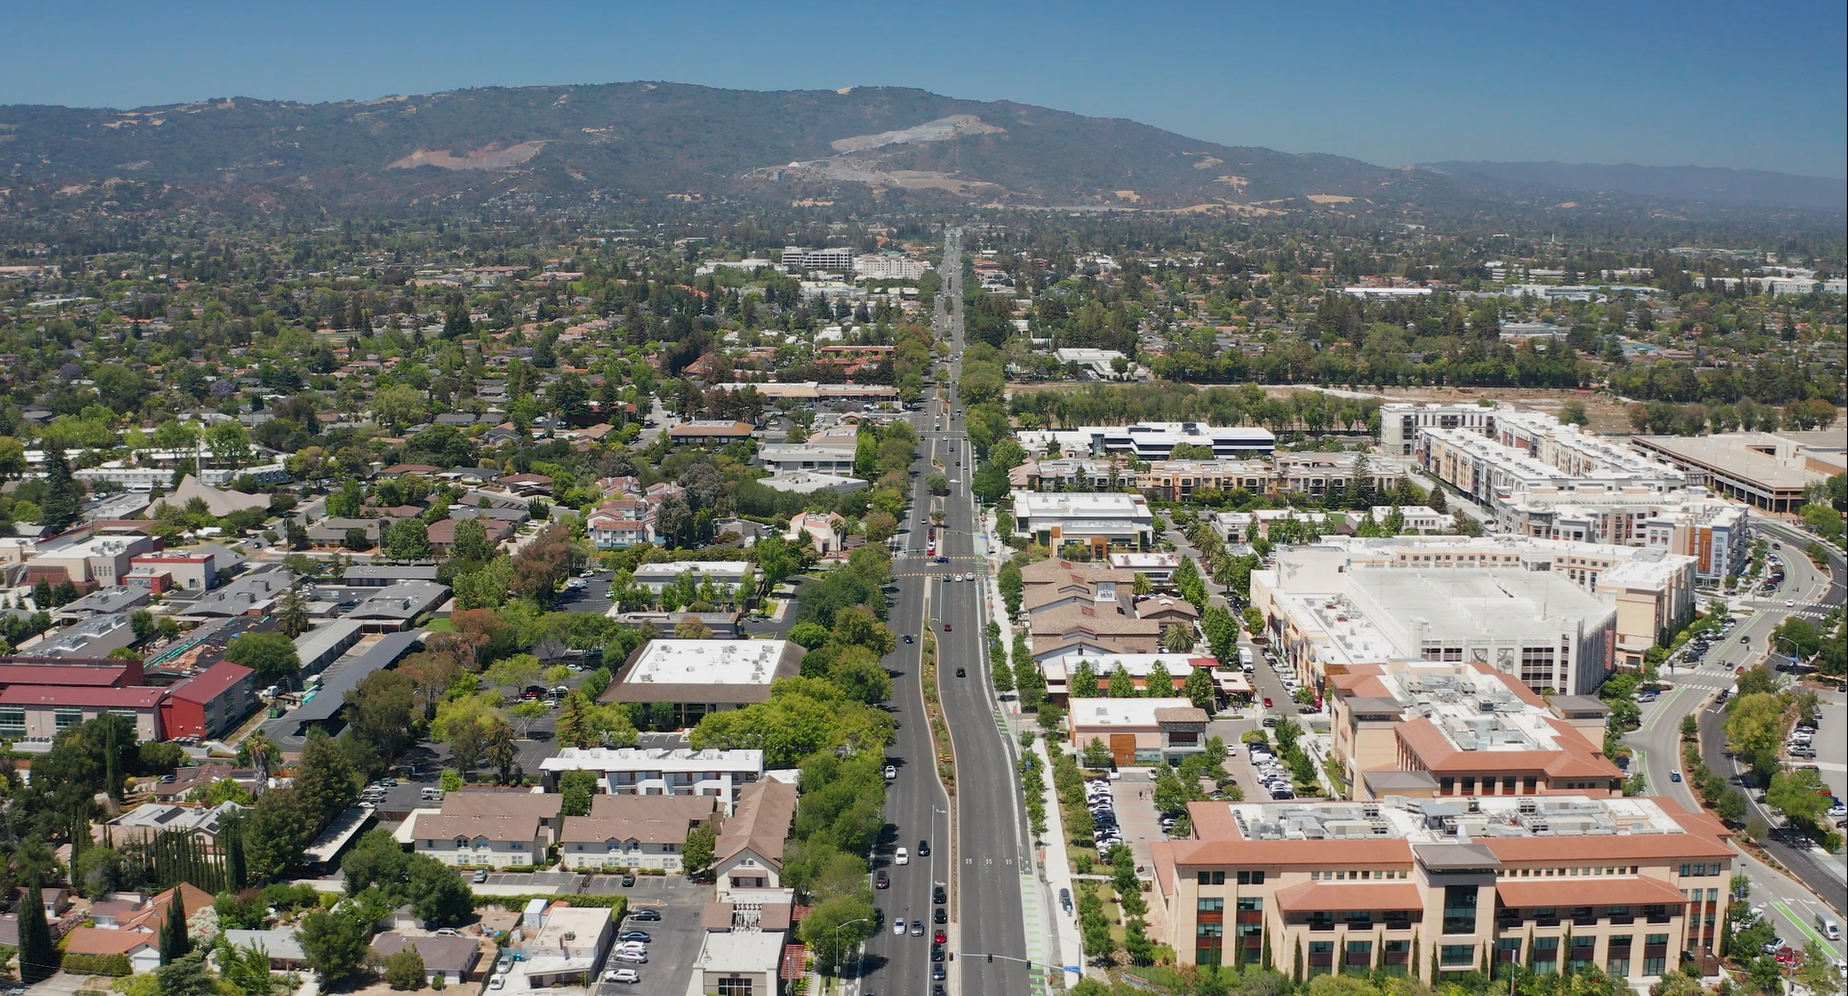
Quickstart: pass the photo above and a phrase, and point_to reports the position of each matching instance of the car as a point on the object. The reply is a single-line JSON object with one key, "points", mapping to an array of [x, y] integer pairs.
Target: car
{"points": [[908, 638], [898, 927], [1675, 775], [504, 965], [653, 916], [634, 935], [631, 956], [923, 848], [946, 627], [936, 952], [941, 936], [881, 880], [891, 772], [638, 947], [941, 559], [629, 975], [937, 973], [628, 880], [498, 982], [480, 876], [1267, 702], [1772, 946], [962, 672], [940, 915], [968, 577], [901, 857], [917, 928], [938, 895], [1790, 603]]}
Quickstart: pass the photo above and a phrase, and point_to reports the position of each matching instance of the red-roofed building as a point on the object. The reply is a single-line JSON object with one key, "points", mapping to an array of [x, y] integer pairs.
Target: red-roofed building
{"points": [[67, 672], [210, 703]]}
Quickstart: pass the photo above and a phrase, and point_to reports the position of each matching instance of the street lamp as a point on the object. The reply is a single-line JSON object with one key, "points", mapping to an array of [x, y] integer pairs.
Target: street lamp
{"points": [[837, 938]]}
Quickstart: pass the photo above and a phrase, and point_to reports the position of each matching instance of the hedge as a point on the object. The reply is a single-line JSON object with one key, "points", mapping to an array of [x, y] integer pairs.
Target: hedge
{"points": [[618, 901], [88, 964]]}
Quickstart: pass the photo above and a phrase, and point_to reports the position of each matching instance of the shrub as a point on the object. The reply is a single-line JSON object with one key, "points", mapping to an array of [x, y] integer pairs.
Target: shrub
{"points": [[88, 964]]}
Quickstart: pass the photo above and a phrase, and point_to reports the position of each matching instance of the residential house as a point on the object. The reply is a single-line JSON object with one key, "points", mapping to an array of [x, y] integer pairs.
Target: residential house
{"points": [[452, 956], [487, 829], [749, 852]]}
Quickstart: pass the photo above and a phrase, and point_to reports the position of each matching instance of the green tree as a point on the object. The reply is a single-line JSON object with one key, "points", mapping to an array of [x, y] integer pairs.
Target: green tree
{"points": [[696, 855], [292, 613], [1012, 587], [1177, 638], [1122, 684], [1083, 684], [334, 944], [576, 789], [471, 542], [1799, 795], [1198, 689], [186, 976], [174, 941], [270, 654], [1000, 672], [407, 539], [809, 634], [1190, 584], [38, 959], [380, 711], [404, 969]]}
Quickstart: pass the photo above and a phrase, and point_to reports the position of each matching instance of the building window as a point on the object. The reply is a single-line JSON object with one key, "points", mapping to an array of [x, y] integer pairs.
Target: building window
{"points": [[1210, 905], [1454, 956], [735, 986], [1545, 957], [62, 718], [1460, 909], [13, 722], [1584, 952], [1655, 954], [1251, 878], [1321, 958], [1213, 878]]}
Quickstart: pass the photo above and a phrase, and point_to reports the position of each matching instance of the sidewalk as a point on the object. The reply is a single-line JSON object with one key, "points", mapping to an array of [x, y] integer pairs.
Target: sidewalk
{"points": [[1056, 869]]}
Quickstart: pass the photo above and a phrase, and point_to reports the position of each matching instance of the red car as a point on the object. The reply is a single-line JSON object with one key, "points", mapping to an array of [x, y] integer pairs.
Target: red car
{"points": [[940, 936], [1267, 701], [946, 627]]}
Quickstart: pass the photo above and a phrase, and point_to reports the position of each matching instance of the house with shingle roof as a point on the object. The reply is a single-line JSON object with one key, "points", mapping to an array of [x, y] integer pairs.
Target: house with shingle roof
{"points": [[633, 832], [749, 851]]}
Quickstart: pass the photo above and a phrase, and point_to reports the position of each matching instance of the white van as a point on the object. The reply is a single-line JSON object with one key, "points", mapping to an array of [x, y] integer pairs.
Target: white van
{"points": [[1829, 926], [1244, 660]]}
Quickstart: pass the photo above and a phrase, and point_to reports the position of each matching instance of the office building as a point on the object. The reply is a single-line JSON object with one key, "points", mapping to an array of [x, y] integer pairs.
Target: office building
{"points": [[1400, 422], [1322, 610], [1139, 730], [1424, 729], [1103, 521], [1151, 440], [1432, 889]]}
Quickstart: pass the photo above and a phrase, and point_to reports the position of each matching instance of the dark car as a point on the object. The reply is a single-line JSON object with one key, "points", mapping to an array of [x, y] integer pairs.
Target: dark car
{"points": [[908, 638], [937, 895], [651, 915], [936, 952], [946, 627], [961, 672], [940, 915], [634, 935], [923, 848], [628, 880], [882, 880], [937, 973], [878, 917]]}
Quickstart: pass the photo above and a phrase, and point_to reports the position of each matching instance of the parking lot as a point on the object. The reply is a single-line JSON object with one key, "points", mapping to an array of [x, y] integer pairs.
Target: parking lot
{"points": [[674, 940], [1133, 802]]}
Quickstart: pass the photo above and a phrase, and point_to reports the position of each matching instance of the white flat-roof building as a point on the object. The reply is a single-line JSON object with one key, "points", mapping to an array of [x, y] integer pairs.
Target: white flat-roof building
{"points": [[722, 573], [1401, 421], [1152, 440], [793, 458], [1687, 521], [1102, 520], [738, 961], [696, 677], [1156, 566], [1320, 608], [721, 774], [1418, 518]]}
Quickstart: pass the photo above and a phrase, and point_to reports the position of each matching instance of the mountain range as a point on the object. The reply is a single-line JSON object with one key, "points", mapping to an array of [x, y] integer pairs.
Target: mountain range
{"points": [[665, 141]]}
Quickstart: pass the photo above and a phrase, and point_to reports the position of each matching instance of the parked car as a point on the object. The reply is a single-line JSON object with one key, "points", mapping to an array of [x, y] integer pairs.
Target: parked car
{"points": [[629, 975]]}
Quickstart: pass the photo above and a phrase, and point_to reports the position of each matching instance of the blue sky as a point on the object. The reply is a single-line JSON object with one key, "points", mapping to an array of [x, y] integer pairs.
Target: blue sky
{"points": [[1690, 83]]}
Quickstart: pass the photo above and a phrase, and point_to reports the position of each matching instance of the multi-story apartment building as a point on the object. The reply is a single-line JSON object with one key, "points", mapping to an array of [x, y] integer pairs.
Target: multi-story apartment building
{"points": [[1400, 422], [721, 774], [1151, 440], [1428, 889]]}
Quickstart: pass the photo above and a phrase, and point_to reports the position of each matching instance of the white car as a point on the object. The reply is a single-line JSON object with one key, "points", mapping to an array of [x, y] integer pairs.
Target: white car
{"points": [[622, 975], [902, 857], [898, 926]]}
